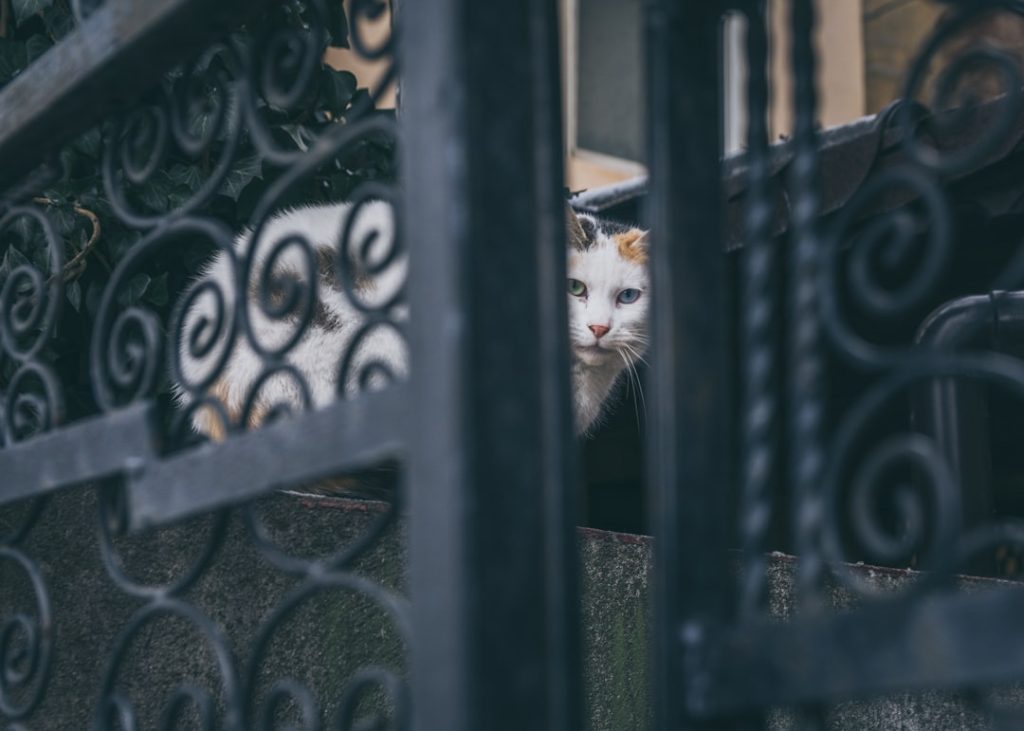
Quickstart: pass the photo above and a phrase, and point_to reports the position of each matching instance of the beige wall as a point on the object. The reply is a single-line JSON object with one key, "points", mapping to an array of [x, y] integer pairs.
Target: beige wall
{"points": [[840, 50], [893, 35], [368, 73], [841, 81]]}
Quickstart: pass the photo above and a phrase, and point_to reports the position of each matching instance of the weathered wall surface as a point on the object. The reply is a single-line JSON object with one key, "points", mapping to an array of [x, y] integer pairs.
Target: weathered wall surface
{"points": [[333, 633]]}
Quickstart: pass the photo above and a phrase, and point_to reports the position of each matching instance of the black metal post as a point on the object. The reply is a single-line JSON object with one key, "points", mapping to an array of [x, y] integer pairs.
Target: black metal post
{"points": [[689, 468], [491, 539]]}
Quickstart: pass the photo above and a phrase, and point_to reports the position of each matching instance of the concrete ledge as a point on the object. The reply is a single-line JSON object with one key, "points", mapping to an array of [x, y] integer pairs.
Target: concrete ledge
{"points": [[336, 632]]}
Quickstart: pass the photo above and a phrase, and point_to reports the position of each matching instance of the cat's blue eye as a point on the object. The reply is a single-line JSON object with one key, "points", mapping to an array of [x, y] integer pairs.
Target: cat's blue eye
{"points": [[577, 288], [628, 296]]}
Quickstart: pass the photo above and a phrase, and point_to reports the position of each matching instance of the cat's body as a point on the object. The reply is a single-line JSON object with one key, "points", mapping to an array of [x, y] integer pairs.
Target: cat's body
{"points": [[606, 266]]}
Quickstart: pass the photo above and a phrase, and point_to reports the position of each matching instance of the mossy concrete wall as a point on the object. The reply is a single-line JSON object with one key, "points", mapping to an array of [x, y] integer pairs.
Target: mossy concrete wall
{"points": [[332, 634]]}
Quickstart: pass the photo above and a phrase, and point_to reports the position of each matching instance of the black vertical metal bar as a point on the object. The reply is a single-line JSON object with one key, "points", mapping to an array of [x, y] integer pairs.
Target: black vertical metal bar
{"points": [[759, 302], [758, 298], [805, 366], [688, 430], [805, 382], [562, 496], [488, 446]]}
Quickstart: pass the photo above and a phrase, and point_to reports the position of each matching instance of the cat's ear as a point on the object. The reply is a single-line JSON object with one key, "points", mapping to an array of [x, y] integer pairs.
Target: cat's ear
{"points": [[641, 245], [633, 245], [575, 236]]}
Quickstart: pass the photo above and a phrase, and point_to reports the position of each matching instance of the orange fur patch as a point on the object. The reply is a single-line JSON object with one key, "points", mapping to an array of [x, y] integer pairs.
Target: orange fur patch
{"points": [[257, 414], [631, 246], [208, 420]]}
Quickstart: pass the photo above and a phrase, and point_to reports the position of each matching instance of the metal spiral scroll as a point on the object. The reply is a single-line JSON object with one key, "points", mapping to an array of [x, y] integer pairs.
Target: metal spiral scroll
{"points": [[30, 304], [952, 111], [26, 645], [204, 94], [381, 312], [130, 350], [908, 472], [358, 372], [285, 690], [127, 349], [115, 711], [889, 240], [33, 403], [281, 69]]}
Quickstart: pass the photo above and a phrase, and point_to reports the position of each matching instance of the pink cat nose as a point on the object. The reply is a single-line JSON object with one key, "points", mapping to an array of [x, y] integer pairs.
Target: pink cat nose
{"points": [[598, 330]]}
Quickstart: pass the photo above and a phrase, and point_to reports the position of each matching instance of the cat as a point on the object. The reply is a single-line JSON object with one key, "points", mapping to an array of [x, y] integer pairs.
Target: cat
{"points": [[607, 289], [609, 297]]}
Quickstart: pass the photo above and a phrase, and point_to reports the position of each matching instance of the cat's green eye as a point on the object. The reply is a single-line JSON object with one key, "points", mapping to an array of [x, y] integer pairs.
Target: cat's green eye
{"points": [[628, 296], [577, 288]]}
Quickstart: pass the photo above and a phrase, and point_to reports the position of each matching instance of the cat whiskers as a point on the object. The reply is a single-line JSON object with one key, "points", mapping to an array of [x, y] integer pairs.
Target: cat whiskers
{"points": [[629, 357], [634, 352]]}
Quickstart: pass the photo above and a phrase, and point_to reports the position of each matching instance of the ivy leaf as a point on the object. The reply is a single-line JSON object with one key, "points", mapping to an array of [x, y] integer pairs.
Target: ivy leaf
{"points": [[74, 295], [97, 203], [15, 259], [63, 218], [24, 9], [13, 58], [36, 46], [39, 254], [156, 293], [93, 299], [297, 133], [160, 192], [337, 25], [59, 21], [245, 171], [133, 292], [25, 229], [90, 144], [189, 176], [337, 88]]}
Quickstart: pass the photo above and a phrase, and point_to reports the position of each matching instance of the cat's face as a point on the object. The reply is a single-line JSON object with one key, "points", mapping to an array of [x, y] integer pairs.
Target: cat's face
{"points": [[608, 291]]}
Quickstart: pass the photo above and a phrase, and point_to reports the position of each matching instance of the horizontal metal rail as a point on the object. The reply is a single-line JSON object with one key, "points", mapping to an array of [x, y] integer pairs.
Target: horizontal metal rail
{"points": [[82, 452], [345, 436], [941, 642]]}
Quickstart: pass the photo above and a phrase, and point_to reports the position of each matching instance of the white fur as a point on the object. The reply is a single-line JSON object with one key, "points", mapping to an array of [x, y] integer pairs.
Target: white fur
{"points": [[597, 363], [318, 354]]}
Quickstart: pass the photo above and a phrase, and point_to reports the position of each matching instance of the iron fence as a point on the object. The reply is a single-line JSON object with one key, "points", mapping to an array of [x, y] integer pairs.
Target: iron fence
{"points": [[775, 421]]}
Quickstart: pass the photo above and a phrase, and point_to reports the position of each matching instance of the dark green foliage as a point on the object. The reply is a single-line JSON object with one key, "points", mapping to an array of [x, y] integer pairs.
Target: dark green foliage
{"points": [[95, 240]]}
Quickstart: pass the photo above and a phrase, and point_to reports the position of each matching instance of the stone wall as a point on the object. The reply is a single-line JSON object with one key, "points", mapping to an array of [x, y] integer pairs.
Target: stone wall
{"points": [[333, 633]]}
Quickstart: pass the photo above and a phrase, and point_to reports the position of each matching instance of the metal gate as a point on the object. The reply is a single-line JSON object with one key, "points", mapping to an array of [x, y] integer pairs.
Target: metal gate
{"points": [[740, 390]]}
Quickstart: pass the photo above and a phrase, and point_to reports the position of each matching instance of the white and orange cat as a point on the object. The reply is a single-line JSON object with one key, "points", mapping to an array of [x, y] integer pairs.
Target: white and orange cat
{"points": [[608, 303]]}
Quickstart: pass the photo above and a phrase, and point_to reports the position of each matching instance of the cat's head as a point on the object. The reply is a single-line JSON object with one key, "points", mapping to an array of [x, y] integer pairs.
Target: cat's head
{"points": [[609, 290]]}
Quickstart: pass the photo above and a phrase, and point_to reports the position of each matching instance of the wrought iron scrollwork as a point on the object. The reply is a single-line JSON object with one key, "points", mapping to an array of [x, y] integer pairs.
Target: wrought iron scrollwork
{"points": [[115, 709], [285, 690], [198, 112], [864, 479], [885, 266], [30, 302], [167, 166], [26, 644]]}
